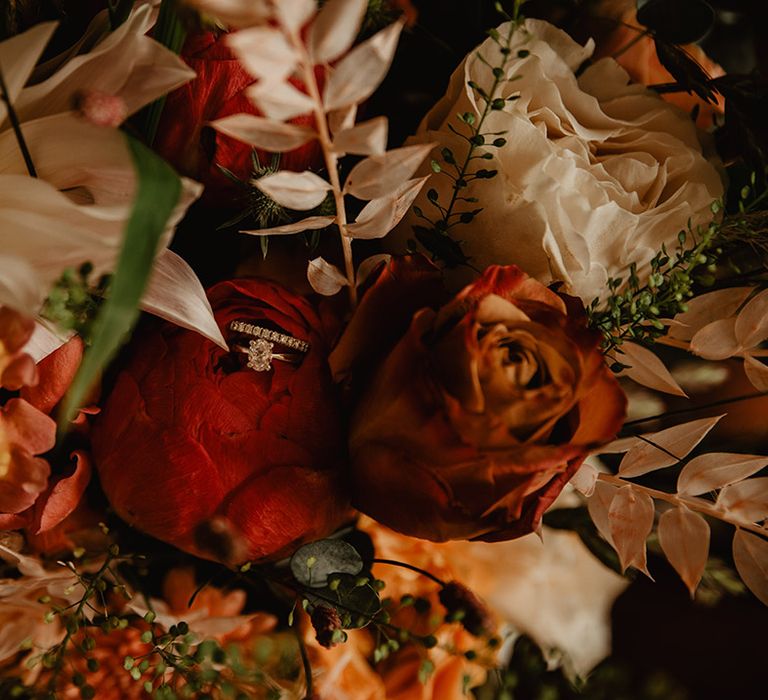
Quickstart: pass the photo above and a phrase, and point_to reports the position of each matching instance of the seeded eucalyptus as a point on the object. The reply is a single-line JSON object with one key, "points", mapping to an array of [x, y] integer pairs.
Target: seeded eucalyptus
{"points": [[635, 311]]}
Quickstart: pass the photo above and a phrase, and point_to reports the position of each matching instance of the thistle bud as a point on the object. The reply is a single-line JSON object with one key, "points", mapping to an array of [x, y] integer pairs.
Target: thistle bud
{"points": [[326, 622]]}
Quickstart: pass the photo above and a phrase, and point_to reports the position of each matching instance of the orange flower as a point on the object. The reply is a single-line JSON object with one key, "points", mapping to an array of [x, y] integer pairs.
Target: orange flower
{"points": [[214, 614], [481, 412], [643, 65], [345, 673], [24, 430], [29, 497]]}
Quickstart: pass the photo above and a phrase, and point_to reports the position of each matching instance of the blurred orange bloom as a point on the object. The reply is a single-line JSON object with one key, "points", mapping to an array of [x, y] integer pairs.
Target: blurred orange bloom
{"points": [[643, 65]]}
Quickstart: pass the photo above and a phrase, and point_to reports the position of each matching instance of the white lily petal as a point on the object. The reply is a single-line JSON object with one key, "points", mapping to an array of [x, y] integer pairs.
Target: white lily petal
{"points": [[140, 70], [18, 56], [175, 294], [20, 287], [45, 340]]}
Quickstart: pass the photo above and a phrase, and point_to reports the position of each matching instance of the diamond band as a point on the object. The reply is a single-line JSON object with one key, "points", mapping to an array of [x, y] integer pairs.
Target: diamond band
{"points": [[287, 341]]}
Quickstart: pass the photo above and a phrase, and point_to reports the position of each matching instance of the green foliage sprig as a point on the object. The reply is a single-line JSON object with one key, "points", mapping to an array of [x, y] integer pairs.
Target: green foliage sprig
{"points": [[635, 310], [75, 299], [434, 235]]}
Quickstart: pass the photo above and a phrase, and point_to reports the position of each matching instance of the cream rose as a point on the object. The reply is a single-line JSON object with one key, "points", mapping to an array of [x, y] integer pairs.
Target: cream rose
{"points": [[596, 172]]}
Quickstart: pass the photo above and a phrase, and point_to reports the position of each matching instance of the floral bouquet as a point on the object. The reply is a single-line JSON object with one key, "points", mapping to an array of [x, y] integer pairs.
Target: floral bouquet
{"points": [[440, 356]]}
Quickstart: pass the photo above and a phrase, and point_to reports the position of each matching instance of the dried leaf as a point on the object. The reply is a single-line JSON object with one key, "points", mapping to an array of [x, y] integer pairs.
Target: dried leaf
{"points": [[370, 265], [325, 278], [341, 119], [298, 191], [647, 369], [747, 499], [380, 175], [599, 504], [717, 469], [364, 139], [685, 70], [717, 340], [756, 372], [585, 480], [264, 133], [294, 14], [278, 99], [380, 216], [359, 73], [335, 29], [684, 539], [311, 223], [235, 13], [631, 520], [669, 447], [752, 321], [706, 308], [264, 52], [617, 446], [750, 554]]}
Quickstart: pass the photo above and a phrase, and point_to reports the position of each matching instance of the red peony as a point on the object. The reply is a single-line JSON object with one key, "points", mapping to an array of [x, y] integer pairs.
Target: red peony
{"points": [[185, 138], [476, 414], [191, 442]]}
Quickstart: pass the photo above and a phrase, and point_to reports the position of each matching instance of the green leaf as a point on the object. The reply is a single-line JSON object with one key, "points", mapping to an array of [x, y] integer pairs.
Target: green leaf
{"points": [[313, 563], [158, 191]]}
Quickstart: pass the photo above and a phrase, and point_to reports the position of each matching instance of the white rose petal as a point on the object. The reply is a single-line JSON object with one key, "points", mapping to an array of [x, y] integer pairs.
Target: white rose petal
{"points": [[596, 172]]}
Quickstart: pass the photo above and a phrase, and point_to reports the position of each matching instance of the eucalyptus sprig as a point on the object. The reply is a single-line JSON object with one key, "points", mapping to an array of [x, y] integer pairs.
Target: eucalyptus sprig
{"points": [[434, 235]]}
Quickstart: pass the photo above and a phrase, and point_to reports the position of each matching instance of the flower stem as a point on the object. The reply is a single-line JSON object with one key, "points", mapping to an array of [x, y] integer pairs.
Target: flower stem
{"points": [[629, 44], [305, 663], [403, 565], [682, 345], [16, 126], [713, 404], [331, 160], [697, 504]]}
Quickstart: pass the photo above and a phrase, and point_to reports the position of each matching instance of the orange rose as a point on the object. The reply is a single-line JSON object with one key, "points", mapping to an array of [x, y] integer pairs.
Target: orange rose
{"points": [[474, 421]]}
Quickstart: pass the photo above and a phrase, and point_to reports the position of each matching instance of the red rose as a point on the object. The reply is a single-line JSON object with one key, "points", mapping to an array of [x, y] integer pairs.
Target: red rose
{"points": [[185, 138], [479, 413], [190, 436]]}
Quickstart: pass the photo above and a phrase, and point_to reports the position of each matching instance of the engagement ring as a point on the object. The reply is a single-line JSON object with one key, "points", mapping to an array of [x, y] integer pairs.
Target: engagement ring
{"points": [[260, 351]]}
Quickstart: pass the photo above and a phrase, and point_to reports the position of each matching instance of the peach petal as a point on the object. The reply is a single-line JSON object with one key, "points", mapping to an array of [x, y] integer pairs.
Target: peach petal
{"points": [[64, 496], [56, 371], [21, 372], [26, 426]]}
